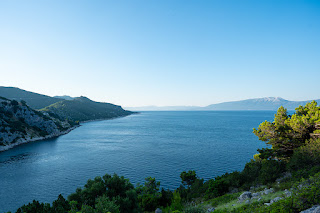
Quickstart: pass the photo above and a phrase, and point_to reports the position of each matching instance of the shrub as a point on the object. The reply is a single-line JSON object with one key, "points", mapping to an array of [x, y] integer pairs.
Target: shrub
{"points": [[306, 156], [270, 170]]}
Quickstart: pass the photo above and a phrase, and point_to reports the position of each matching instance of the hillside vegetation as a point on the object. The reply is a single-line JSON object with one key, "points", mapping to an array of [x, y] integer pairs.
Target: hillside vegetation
{"points": [[84, 109], [282, 178], [19, 124], [34, 100]]}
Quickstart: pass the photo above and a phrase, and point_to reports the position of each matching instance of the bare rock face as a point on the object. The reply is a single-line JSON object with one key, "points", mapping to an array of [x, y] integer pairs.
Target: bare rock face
{"points": [[275, 200], [268, 191], [313, 209], [158, 210], [256, 195], [244, 196], [211, 209], [287, 193], [20, 124]]}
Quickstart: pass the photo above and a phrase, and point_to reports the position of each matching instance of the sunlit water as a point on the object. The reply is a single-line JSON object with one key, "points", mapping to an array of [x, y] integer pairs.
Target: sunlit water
{"points": [[156, 144]]}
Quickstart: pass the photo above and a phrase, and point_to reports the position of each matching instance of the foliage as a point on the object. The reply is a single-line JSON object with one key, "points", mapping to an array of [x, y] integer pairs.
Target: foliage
{"points": [[188, 178], [224, 199], [270, 171], [84, 109], [60, 205], [104, 204], [286, 133], [148, 194], [35, 206], [194, 209], [114, 190], [176, 203], [306, 156]]}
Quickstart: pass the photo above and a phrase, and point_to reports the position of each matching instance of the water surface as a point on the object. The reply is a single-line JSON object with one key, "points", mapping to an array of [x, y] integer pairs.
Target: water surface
{"points": [[156, 144]]}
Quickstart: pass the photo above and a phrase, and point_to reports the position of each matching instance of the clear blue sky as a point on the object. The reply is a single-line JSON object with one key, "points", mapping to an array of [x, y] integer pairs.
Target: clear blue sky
{"points": [[165, 52]]}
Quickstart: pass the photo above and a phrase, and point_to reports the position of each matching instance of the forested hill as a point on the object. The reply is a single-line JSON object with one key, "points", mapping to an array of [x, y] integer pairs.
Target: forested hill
{"points": [[84, 109], [20, 124], [34, 100]]}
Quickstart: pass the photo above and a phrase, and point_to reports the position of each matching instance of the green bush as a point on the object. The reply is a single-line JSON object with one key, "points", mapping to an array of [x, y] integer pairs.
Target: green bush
{"points": [[270, 171], [306, 156]]}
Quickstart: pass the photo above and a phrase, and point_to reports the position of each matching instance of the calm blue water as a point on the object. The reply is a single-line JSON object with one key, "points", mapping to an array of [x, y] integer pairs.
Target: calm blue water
{"points": [[157, 144]]}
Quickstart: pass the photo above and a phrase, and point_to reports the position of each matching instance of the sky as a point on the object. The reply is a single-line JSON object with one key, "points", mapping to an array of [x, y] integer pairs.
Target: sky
{"points": [[162, 52]]}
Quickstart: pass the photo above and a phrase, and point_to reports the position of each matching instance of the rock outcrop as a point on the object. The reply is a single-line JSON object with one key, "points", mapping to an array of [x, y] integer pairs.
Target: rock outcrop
{"points": [[21, 124]]}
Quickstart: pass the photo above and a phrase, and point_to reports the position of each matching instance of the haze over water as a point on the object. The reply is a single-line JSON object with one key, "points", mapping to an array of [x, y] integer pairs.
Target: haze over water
{"points": [[156, 144]]}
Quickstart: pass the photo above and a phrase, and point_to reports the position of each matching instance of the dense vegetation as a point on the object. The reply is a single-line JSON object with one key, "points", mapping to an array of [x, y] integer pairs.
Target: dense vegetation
{"points": [[84, 109], [34, 100], [292, 162]]}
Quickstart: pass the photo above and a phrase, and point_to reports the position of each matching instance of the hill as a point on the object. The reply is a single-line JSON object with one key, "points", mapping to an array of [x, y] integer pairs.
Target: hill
{"points": [[164, 108], [269, 103], [34, 100], [64, 97], [84, 109], [21, 124]]}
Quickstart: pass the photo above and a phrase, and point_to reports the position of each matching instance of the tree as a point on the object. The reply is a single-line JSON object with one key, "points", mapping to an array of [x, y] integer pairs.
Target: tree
{"points": [[149, 195], [60, 205], [188, 178], [286, 133]]}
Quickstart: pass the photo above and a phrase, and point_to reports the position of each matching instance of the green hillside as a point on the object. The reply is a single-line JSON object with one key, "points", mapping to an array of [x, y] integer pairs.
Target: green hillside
{"points": [[34, 100], [84, 109]]}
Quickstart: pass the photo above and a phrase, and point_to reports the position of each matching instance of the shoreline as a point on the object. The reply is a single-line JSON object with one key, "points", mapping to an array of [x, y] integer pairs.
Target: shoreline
{"points": [[24, 140]]}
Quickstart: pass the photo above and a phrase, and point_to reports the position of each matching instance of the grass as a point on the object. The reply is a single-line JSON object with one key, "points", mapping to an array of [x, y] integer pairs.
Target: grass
{"points": [[229, 202]]}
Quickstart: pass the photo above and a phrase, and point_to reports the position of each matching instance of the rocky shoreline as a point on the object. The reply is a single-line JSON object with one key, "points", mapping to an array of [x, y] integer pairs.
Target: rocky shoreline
{"points": [[53, 135], [27, 140]]}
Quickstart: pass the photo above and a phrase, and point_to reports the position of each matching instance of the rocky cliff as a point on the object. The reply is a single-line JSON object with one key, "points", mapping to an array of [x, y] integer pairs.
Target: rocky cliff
{"points": [[21, 124]]}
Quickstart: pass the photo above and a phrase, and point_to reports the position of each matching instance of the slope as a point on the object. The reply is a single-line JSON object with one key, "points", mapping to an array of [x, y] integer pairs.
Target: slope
{"points": [[84, 109], [34, 100]]}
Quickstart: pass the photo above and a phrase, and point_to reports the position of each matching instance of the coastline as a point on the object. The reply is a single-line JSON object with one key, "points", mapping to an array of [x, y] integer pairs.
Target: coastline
{"points": [[54, 135], [27, 140]]}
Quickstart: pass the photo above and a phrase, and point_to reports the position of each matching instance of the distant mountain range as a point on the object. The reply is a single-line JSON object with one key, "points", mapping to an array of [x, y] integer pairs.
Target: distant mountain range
{"points": [[269, 103]]}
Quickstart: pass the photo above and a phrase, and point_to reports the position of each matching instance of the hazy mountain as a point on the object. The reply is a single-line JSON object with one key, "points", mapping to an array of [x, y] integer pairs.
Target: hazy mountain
{"points": [[269, 103], [84, 109], [64, 97], [34, 100], [164, 108]]}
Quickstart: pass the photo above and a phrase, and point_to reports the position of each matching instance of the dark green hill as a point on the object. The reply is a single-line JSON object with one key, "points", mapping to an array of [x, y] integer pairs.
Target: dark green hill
{"points": [[84, 109], [34, 100]]}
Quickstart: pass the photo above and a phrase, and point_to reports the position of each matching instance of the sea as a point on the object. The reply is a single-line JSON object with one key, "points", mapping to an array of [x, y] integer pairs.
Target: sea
{"points": [[159, 144]]}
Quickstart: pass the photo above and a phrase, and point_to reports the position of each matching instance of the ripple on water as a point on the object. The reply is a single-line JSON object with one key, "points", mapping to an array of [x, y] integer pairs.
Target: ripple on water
{"points": [[156, 144]]}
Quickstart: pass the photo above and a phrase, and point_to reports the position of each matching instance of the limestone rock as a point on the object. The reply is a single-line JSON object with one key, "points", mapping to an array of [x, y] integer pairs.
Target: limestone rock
{"points": [[268, 191], [313, 209], [256, 195], [211, 209], [244, 196], [158, 210], [275, 200]]}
